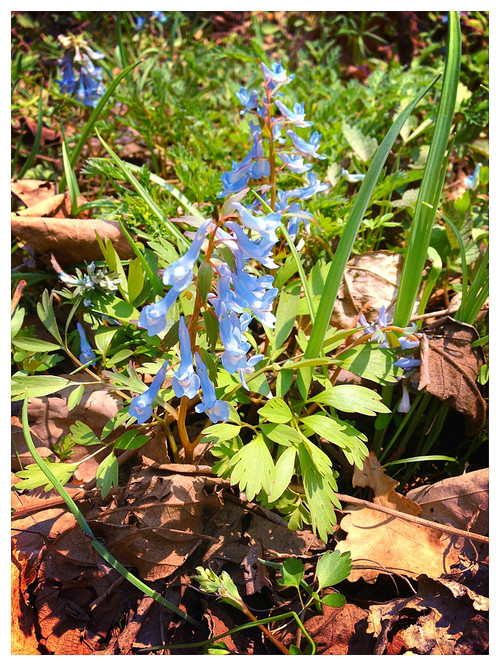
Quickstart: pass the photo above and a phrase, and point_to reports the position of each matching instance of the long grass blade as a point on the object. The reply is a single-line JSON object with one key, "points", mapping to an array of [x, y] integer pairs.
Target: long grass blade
{"points": [[36, 142], [432, 180]]}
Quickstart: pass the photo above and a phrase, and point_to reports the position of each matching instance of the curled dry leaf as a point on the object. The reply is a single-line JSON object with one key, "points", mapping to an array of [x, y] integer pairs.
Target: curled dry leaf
{"points": [[31, 191], [370, 281], [380, 543], [70, 240], [433, 621], [449, 370]]}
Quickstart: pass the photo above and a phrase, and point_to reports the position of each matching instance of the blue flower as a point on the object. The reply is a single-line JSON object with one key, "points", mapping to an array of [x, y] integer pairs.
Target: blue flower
{"points": [[154, 317], [408, 344], [142, 405], [404, 405], [352, 177], [216, 410], [248, 100], [308, 149], [294, 162], [407, 363], [296, 116], [261, 251], [472, 181], [159, 16], [180, 274], [68, 82], [313, 188], [185, 381], [90, 86], [256, 294], [87, 353], [139, 22], [276, 76], [264, 225]]}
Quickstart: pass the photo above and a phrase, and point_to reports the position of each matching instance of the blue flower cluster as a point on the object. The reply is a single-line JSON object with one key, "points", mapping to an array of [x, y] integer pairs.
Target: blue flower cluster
{"points": [[140, 21], [89, 87], [237, 294]]}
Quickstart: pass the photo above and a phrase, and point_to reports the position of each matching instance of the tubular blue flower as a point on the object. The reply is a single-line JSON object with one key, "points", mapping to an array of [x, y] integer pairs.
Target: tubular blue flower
{"points": [[407, 363], [256, 294], [90, 86], [406, 343], [159, 16], [404, 405], [86, 351], [216, 410], [369, 330], [352, 177], [249, 100], [472, 181], [142, 405], [294, 162], [180, 274], [261, 251], [308, 149], [185, 381], [264, 225], [139, 22], [276, 76], [68, 81], [154, 317], [313, 188], [296, 116]]}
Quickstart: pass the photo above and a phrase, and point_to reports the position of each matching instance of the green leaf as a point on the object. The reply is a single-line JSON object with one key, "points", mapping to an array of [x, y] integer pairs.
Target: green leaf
{"points": [[286, 313], [83, 435], [276, 410], [340, 433], [34, 344], [131, 440], [211, 328], [292, 572], [332, 568], [16, 321], [115, 307], [114, 423], [284, 471], [253, 468], [363, 146], [205, 273], [118, 357], [284, 381], [350, 398], [107, 474], [103, 337], [220, 432], [33, 477], [371, 363], [37, 386], [75, 397], [115, 266], [334, 600], [281, 433], [135, 279]]}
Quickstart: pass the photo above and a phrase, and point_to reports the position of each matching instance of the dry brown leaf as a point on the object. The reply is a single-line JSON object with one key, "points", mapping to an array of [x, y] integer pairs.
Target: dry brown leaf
{"points": [[370, 281], [450, 368], [460, 501], [380, 543], [433, 621], [23, 635], [57, 206], [70, 240], [32, 191]]}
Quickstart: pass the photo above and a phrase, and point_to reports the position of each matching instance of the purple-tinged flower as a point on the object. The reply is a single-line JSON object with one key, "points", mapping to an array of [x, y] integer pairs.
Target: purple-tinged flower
{"points": [[180, 274], [313, 188], [404, 405], [159, 16], [406, 343], [87, 354], [296, 116], [154, 317], [142, 405], [352, 177], [68, 81], [294, 162], [308, 149], [216, 410], [185, 381], [139, 22], [261, 251], [260, 167], [255, 294], [277, 132], [90, 86], [472, 181], [407, 363], [264, 225], [249, 100]]}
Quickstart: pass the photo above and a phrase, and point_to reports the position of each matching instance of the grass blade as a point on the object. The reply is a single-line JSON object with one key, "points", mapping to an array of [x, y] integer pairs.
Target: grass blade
{"points": [[36, 141], [431, 187]]}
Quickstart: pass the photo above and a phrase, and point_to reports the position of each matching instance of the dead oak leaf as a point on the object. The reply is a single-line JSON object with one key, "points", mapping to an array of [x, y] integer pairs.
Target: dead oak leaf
{"points": [[31, 191], [381, 543], [449, 370]]}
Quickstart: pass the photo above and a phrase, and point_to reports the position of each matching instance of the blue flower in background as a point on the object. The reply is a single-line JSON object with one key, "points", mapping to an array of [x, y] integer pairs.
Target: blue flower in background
{"points": [[142, 405], [404, 405], [68, 81], [407, 363], [313, 188], [90, 87], [159, 16], [296, 116], [185, 381], [308, 149], [249, 100], [87, 354], [276, 76], [154, 317], [180, 274], [472, 181], [352, 177], [294, 162], [216, 410], [407, 343]]}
